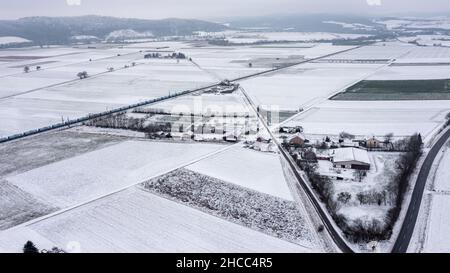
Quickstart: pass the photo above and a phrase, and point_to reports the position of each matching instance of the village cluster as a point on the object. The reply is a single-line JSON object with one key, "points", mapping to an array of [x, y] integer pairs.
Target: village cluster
{"points": [[344, 157]]}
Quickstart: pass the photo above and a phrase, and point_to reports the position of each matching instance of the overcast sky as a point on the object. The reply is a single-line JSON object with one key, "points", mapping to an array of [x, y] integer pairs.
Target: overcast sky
{"points": [[210, 9]]}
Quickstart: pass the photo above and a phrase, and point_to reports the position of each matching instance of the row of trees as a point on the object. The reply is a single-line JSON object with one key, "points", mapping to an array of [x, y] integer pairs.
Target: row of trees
{"points": [[27, 69], [122, 121], [174, 55], [31, 248], [82, 75], [321, 184]]}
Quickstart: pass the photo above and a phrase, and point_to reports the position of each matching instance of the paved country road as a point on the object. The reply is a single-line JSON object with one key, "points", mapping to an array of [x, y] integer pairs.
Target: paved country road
{"points": [[407, 229]]}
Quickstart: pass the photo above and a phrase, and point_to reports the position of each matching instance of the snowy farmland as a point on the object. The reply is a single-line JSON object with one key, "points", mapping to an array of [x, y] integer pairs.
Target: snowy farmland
{"points": [[53, 93], [125, 222], [374, 118], [266, 213], [385, 51], [207, 104], [304, 85], [438, 240], [437, 237], [83, 181], [251, 37], [247, 168], [40, 150], [49, 105], [8, 40], [90, 175], [233, 62], [423, 72], [18, 206]]}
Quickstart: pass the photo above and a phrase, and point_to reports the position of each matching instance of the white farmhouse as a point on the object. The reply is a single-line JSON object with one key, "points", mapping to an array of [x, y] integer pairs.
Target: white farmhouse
{"points": [[350, 158]]}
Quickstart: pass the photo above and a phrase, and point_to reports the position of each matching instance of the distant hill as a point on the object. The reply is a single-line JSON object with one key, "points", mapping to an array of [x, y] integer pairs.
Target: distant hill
{"points": [[60, 30]]}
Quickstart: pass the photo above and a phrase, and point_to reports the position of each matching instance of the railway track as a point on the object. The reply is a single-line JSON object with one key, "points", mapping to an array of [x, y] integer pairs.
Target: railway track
{"points": [[152, 101]]}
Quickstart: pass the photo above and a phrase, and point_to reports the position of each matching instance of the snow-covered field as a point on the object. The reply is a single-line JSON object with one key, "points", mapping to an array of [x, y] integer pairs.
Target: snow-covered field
{"points": [[442, 179], [149, 79], [385, 51], [425, 55], [374, 118], [254, 37], [155, 78], [232, 62], [62, 59], [7, 40], [428, 40], [437, 230], [40, 150], [205, 104], [304, 85], [417, 23], [412, 73], [137, 221], [247, 168], [90, 175], [17, 206], [354, 26], [44, 97], [250, 37]]}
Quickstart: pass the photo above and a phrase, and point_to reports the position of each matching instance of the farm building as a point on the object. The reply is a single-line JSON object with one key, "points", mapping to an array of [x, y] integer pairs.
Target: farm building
{"points": [[297, 139], [232, 137], [351, 158], [265, 138], [373, 143], [291, 129]]}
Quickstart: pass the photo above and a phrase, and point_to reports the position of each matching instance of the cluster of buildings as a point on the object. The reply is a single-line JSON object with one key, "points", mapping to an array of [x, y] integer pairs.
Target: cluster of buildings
{"points": [[225, 87], [342, 154]]}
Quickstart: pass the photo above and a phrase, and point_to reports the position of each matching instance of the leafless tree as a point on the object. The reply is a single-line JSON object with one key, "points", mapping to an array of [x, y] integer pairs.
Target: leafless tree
{"points": [[360, 174]]}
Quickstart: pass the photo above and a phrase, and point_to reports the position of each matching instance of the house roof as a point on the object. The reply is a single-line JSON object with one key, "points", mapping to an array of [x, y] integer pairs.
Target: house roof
{"points": [[297, 135], [350, 154]]}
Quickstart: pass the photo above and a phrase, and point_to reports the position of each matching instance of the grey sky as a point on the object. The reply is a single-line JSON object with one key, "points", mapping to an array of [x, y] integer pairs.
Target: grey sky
{"points": [[208, 9]]}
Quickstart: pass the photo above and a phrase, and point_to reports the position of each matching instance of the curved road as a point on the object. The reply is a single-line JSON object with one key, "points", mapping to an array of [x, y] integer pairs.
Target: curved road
{"points": [[406, 232]]}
